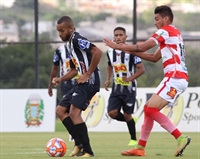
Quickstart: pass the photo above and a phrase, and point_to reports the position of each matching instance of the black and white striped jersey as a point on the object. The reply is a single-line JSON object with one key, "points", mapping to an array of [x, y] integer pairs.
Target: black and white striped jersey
{"points": [[123, 64], [79, 48], [62, 59]]}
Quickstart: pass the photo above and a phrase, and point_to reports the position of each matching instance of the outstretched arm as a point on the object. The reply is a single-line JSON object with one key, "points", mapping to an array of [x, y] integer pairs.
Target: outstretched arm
{"points": [[149, 56], [148, 44]]}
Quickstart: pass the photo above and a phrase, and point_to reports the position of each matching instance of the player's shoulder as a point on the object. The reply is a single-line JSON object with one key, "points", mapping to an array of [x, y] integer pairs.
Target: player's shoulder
{"points": [[61, 47], [169, 28], [77, 38], [78, 35]]}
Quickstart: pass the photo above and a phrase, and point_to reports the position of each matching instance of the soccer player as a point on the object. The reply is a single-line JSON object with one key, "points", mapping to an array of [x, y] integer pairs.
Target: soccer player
{"points": [[61, 63], [175, 81], [84, 59], [126, 69]]}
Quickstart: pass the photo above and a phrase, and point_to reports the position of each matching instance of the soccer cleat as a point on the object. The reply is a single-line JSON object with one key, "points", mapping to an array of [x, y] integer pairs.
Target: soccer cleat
{"points": [[133, 152], [76, 150], [84, 154], [183, 142], [132, 143]]}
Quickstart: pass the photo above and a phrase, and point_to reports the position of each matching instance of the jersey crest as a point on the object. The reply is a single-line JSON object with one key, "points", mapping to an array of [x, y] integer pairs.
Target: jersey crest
{"points": [[172, 93], [83, 44]]}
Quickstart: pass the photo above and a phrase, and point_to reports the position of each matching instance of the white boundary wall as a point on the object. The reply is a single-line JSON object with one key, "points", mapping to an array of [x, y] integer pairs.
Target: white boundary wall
{"points": [[32, 110], [27, 110]]}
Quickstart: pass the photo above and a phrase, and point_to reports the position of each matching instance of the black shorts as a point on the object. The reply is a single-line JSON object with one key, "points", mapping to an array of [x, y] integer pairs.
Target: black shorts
{"points": [[65, 87], [126, 102], [79, 96]]}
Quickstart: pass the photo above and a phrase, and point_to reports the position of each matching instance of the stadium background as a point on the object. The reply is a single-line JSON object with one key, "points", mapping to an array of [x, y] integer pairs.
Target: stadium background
{"points": [[29, 38], [24, 66]]}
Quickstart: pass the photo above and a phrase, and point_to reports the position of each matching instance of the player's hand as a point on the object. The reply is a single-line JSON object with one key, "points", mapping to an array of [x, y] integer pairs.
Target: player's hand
{"points": [[56, 81], [125, 79], [110, 43], [50, 91], [83, 78], [106, 84]]}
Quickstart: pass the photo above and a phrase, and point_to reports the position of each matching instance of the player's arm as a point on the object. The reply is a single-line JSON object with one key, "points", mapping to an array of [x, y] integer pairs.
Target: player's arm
{"points": [[53, 74], [108, 77], [96, 56], [149, 56], [68, 76], [148, 44], [139, 71]]}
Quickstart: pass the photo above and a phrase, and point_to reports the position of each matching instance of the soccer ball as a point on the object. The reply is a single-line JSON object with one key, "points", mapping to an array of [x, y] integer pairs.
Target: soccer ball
{"points": [[56, 147]]}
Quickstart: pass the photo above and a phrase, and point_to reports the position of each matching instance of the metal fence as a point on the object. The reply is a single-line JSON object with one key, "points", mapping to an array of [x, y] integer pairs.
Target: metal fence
{"points": [[18, 65], [28, 64]]}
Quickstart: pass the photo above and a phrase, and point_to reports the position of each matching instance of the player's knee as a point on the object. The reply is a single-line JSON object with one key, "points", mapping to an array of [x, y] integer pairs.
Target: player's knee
{"points": [[59, 112], [113, 114], [149, 111], [127, 117], [145, 110]]}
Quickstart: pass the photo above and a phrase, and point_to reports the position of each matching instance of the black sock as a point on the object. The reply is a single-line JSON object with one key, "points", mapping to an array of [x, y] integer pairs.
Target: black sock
{"points": [[132, 129], [67, 122], [120, 117], [83, 135]]}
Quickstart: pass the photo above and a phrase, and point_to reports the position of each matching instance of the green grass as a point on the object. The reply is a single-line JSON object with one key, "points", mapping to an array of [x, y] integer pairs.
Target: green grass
{"points": [[105, 145]]}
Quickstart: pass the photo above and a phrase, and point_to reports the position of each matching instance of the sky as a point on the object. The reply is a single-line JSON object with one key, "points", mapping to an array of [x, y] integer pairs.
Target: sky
{"points": [[6, 3], [186, 7]]}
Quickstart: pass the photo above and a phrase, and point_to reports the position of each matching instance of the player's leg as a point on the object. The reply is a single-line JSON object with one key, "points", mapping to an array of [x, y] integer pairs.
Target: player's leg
{"points": [[80, 101], [114, 107], [144, 134], [154, 105], [128, 108], [62, 111], [167, 92], [166, 123], [132, 129]]}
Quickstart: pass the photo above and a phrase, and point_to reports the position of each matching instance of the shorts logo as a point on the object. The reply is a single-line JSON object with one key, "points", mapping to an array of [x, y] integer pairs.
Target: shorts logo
{"points": [[34, 111], [74, 94], [172, 92], [83, 44], [129, 104]]}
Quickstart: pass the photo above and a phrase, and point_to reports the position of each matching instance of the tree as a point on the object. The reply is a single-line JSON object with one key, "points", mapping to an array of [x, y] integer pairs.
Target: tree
{"points": [[29, 4], [17, 66]]}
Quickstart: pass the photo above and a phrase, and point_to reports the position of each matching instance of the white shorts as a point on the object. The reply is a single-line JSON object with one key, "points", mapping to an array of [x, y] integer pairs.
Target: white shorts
{"points": [[170, 88]]}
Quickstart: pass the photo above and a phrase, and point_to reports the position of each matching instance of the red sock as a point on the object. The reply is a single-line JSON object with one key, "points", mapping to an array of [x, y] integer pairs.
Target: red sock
{"points": [[176, 133], [146, 129], [163, 120]]}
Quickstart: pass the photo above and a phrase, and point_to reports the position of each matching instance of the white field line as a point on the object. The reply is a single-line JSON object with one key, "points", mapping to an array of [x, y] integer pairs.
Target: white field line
{"points": [[31, 151]]}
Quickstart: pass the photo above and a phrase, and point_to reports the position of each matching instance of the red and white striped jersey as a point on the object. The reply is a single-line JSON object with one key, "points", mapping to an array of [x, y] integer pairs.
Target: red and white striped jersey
{"points": [[172, 51]]}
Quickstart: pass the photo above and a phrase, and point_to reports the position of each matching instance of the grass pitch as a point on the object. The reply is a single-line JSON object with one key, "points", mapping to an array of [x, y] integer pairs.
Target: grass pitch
{"points": [[105, 145]]}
